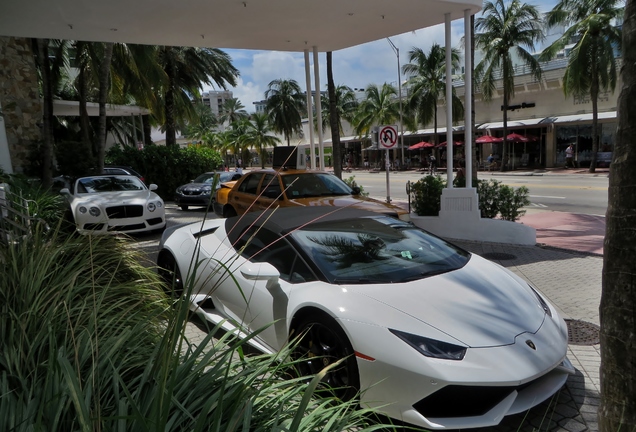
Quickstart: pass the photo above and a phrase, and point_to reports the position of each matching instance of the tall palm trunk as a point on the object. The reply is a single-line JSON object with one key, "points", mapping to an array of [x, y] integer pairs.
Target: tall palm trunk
{"points": [[618, 298], [504, 143], [83, 111], [104, 86], [47, 116], [333, 119], [594, 90]]}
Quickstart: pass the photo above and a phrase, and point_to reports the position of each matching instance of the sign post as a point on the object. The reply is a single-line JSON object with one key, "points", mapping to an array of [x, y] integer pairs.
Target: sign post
{"points": [[387, 137]]}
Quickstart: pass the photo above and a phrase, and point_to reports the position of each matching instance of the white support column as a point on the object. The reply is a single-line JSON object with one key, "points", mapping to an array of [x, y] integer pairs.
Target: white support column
{"points": [[449, 103], [468, 99], [321, 148], [310, 116]]}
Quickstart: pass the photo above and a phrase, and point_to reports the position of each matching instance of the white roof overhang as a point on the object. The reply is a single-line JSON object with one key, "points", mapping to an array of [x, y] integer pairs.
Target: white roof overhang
{"points": [[282, 25]]}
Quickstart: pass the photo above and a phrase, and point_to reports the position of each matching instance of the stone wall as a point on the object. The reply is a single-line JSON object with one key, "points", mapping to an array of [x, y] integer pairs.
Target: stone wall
{"points": [[19, 98]]}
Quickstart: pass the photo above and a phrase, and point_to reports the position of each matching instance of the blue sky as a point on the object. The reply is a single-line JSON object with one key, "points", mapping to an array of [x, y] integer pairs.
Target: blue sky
{"points": [[357, 67]]}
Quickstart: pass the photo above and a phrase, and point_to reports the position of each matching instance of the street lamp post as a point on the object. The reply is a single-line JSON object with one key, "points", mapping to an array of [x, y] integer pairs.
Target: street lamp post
{"points": [[397, 53]]}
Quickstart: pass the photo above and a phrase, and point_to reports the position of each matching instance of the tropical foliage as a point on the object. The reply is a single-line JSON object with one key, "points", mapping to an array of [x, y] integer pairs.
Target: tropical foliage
{"points": [[167, 166], [286, 106], [187, 70], [592, 65], [259, 136], [380, 107], [426, 84], [505, 29]]}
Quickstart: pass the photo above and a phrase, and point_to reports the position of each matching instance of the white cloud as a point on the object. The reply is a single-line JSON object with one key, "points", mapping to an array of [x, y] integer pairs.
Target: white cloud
{"points": [[357, 67]]}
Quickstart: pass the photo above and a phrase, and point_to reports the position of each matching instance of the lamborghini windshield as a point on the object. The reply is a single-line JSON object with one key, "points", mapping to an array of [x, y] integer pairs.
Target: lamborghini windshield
{"points": [[377, 250]]}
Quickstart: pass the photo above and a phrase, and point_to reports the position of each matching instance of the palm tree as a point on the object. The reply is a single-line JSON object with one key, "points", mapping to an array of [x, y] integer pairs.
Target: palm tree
{"points": [[380, 107], [204, 123], [346, 106], [285, 106], [618, 307], [427, 84], [232, 111], [259, 136], [591, 63], [502, 30], [187, 70]]}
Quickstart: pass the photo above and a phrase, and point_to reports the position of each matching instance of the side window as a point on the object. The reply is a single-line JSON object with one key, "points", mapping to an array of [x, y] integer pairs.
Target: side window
{"points": [[262, 245], [250, 184], [270, 186]]}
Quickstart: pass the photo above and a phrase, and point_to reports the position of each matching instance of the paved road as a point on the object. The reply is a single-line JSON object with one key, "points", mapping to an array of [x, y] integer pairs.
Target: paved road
{"points": [[566, 191]]}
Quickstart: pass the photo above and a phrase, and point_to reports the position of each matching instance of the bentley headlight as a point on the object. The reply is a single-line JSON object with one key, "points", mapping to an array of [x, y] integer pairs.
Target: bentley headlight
{"points": [[94, 211], [431, 347], [151, 206], [159, 204], [82, 209]]}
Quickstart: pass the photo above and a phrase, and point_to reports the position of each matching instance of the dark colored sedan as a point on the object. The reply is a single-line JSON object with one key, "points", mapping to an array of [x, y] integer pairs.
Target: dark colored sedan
{"points": [[200, 191]]}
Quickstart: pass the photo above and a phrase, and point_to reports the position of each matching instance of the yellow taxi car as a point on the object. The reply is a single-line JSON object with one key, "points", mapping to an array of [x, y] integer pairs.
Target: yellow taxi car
{"points": [[269, 188]]}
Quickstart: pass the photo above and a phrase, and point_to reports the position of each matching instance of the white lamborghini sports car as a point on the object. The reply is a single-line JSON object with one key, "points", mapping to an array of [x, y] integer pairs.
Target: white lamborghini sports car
{"points": [[115, 203], [432, 335]]}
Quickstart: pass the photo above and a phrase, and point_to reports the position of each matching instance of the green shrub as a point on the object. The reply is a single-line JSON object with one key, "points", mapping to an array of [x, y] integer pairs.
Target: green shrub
{"points": [[167, 166], [89, 341], [494, 198], [426, 195], [488, 193], [511, 201], [351, 182]]}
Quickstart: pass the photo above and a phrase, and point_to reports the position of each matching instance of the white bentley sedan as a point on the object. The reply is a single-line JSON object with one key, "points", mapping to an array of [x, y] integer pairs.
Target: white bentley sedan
{"points": [[115, 203]]}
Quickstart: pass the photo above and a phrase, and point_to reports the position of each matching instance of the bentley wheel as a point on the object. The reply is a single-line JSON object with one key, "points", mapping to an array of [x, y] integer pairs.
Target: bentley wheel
{"points": [[169, 272], [322, 343]]}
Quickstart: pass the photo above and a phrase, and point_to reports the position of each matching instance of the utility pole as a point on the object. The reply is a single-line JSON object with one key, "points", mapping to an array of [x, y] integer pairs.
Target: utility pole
{"points": [[396, 50]]}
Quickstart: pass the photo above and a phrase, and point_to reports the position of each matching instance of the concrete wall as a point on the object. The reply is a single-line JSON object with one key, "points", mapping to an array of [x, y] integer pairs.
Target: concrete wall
{"points": [[19, 101]]}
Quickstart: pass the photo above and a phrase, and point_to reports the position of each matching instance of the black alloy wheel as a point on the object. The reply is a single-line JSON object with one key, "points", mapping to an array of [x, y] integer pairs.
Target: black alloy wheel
{"points": [[322, 343], [169, 272]]}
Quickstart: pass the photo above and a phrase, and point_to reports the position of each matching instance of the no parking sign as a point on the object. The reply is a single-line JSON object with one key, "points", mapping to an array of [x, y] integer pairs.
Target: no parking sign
{"points": [[388, 136]]}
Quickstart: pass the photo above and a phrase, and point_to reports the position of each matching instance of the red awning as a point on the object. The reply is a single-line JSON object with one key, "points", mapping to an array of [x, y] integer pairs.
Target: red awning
{"points": [[488, 139], [421, 145]]}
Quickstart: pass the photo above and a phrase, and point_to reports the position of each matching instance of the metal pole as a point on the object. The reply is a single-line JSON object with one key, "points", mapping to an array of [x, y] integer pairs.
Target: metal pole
{"points": [[310, 112], [468, 95], [317, 97], [397, 52], [449, 104], [387, 165]]}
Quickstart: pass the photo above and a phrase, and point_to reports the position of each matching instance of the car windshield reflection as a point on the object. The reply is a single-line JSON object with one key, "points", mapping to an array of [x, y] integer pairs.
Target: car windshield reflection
{"points": [[308, 185], [104, 184], [377, 250]]}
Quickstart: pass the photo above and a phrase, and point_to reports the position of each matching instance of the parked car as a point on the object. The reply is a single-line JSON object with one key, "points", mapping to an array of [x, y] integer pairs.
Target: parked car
{"points": [[261, 189], [428, 332], [115, 203], [201, 190]]}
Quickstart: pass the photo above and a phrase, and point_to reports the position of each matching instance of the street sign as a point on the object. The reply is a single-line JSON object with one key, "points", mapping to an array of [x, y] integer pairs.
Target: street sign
{"points": [[388, 136]]}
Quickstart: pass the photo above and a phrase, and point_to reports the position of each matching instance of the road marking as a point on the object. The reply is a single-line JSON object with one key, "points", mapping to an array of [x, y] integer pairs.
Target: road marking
{"points": [[544, 186], [545, 196], [538, 205]]}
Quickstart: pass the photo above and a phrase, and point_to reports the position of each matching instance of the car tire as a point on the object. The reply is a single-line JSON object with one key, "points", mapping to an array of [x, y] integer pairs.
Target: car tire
{"points": [[169, 272], [321, 342], [229, 211], [184, 207]]}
